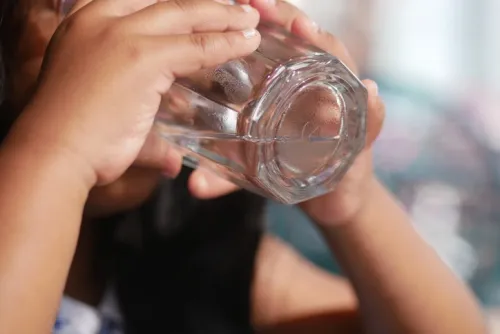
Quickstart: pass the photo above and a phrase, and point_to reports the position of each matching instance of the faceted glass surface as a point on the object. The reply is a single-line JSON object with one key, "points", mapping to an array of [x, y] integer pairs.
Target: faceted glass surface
{"points": [[286, 121]]}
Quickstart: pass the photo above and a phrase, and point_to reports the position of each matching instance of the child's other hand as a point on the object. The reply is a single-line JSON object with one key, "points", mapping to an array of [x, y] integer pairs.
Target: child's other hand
{"points": [[342, 204], [107, 66]]}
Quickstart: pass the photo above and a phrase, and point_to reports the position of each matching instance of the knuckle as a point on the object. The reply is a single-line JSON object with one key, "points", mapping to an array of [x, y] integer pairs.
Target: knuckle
{"points": [[75, 22], [289, 12], [333, 45], [290, 20], [204, 43], [133, 51], [114, 31], [186, 6], [231, 11], [128, 46], [231, 43], [333, 41], [115, 36]]}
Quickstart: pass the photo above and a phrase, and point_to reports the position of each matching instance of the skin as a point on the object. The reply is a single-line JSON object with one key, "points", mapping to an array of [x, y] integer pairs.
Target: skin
{"points": [[137, 183], [132, 188], [362, 223]]}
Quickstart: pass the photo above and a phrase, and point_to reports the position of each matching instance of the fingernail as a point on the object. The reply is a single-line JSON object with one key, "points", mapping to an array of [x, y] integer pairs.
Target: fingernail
{"points": [[250, 33], [314, 26], [271, 2], [372, 87], [247, 8], [202, 183]]}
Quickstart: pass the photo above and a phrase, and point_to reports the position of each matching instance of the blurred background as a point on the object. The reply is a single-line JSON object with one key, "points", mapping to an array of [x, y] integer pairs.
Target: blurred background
{"points": [[436, 63]]}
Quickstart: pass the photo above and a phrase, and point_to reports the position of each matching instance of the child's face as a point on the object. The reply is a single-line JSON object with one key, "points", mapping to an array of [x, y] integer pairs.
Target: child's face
{"points": [[37, 21]]}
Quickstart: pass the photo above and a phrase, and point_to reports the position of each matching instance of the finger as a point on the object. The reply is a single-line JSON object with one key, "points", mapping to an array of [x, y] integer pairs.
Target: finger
{"points": [[196, 51], [376, 112], [297, 22], [158, 154], [203, 184], [110, 7], [185, 17], [279, 12], [74, 5], [304, 28]]}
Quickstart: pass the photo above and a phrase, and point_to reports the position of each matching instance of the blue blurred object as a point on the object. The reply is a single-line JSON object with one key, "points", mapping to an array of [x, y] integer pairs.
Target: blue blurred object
{"points": [[436, 162], [291, 225]]}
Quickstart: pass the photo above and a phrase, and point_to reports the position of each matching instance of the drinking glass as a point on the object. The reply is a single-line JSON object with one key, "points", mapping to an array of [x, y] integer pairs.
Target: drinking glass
{"points": [[285, 122]]}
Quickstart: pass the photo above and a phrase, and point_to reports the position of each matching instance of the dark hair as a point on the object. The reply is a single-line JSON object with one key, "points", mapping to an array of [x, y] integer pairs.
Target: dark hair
{"points": [[8, 31], [193, 269], [191, 266]]}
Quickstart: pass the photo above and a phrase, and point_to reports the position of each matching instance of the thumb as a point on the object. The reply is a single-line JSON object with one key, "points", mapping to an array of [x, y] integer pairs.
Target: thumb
{"points": [[157, 153], [376, 112], [203, 184]]}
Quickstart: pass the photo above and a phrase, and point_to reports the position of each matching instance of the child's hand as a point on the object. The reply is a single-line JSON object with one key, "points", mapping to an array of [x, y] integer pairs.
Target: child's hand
{"points": [[107, 66], [341, 205]]}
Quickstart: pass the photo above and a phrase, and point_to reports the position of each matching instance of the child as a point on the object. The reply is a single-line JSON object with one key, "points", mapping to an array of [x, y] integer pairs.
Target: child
{"points": [[85, 125]]}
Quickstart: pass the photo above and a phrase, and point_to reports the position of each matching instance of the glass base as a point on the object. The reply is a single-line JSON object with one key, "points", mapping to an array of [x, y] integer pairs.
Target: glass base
{"points": [[312, 122], [291, 143]]}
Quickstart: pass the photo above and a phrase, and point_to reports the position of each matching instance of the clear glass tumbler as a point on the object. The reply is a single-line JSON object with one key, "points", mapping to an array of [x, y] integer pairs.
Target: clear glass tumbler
{"points": [[285, 122]]}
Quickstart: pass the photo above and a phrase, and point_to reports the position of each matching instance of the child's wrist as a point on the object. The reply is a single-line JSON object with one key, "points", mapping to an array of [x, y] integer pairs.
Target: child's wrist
{"points": [[370, 192], [46, 152], [358, 210]]}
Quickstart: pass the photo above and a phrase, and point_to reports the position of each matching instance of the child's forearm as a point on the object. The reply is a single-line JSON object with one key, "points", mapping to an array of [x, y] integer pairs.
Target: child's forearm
{"points": [[402, 284], [291, 295], [41, 202]]}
